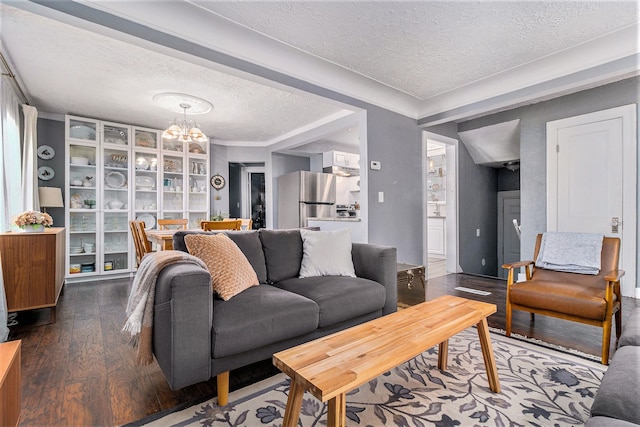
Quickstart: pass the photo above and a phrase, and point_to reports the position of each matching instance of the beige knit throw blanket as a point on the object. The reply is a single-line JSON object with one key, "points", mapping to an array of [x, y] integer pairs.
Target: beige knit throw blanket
{"points": [[139, 311]]}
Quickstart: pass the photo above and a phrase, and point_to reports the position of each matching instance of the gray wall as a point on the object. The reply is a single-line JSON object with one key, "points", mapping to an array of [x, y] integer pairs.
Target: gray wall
{"points": [[396, 142], [51, 133], [478, 210], [533, 119]]}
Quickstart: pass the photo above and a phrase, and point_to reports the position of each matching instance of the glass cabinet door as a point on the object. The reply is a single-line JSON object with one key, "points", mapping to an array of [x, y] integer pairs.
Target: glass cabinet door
{"points": [[173, 184], [198, 189], [145, 138], [146, 187], [81, 129], [113, 133], [82, 201], [116, 242]]}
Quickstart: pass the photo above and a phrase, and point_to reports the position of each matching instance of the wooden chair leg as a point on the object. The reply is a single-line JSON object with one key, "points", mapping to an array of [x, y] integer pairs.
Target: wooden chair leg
{"points": [[606, 340], [509, 311], [532, 317], [619, 322], [223, 388]]}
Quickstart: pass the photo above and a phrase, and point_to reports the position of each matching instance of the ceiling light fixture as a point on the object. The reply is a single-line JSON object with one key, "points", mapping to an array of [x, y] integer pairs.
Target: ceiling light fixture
{"points": [[184, 130]]}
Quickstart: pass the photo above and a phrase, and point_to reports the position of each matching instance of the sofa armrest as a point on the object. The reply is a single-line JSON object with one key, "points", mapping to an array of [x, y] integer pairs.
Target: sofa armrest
{"points": [[378, 263], [183, 312]]}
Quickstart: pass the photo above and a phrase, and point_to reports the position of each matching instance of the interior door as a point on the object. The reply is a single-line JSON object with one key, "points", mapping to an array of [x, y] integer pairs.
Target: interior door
{"points": [[508, 238], [588, 182]]}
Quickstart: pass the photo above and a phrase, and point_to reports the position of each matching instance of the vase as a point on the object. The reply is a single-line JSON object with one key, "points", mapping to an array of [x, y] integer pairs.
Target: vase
{"points": [[33, 228]]}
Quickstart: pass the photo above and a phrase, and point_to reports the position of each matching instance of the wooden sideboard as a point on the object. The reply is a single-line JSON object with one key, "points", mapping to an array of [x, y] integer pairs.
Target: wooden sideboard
{"points": [[10, 380], [33, 269]]}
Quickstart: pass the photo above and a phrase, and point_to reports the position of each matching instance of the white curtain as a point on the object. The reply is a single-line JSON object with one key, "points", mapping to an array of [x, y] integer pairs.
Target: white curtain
{"points": [[30, 160], [10, 177]]}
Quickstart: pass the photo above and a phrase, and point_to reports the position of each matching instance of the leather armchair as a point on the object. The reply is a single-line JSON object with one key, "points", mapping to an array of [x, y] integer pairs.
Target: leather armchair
{"points": [[588, 299]]}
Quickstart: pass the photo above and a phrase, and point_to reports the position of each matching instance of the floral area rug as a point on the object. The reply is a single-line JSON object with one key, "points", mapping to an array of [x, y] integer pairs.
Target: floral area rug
{"points": [[540, 387]]}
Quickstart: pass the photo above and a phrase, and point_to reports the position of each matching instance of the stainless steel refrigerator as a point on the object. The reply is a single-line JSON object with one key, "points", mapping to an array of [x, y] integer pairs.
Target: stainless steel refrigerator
{"points": [[303, 195]]}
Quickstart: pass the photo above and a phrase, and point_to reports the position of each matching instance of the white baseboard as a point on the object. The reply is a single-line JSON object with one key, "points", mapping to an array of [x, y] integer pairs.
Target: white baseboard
{"points": [[637, 293]]}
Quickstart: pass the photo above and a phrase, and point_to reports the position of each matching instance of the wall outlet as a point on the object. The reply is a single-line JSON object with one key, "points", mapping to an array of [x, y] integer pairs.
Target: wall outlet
{"points": [[380, 197], [376, 165], [477, 232]]}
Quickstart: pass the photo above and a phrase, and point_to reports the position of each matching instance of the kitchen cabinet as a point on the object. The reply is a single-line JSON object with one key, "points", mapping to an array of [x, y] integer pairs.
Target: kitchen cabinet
{"points": [[436, 236], [340, 158], [116, 173], [33, 269]]}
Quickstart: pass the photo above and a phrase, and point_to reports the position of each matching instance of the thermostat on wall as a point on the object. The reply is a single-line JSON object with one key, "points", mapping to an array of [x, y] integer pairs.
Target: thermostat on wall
{"points": [[375, 165]]}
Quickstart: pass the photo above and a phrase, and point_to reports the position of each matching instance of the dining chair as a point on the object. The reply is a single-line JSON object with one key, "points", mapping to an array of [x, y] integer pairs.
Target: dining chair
{"points": [[142, 245], [221, 225], [245, 223], [173, 224]]}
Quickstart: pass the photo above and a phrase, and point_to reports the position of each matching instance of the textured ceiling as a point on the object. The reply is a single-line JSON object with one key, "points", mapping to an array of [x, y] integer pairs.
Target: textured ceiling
{"points": [[423, 49], [429, 47], [69, 70]]}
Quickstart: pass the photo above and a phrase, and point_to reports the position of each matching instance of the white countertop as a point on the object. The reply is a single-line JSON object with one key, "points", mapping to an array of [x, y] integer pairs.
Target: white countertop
{"points": [[337, 218]]}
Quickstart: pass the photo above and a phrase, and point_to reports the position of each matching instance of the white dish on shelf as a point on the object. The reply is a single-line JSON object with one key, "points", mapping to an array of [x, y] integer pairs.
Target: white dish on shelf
{"points": [[149, 220], [78, 160], [114, 136], [82, 132], [115, 179], [145, 183], [142, 164], [144, 139]]}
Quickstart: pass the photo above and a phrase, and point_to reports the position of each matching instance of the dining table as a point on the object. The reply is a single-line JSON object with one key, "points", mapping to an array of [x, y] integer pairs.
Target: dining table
{"points": [[163, 239]]}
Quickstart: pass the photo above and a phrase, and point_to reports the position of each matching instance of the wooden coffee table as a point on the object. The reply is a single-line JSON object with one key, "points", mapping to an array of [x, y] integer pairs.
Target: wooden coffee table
{"points": [[331, 366]]}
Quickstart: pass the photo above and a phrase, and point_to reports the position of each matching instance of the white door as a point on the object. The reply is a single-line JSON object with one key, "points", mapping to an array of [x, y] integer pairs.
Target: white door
{"points": [[591, 181]]}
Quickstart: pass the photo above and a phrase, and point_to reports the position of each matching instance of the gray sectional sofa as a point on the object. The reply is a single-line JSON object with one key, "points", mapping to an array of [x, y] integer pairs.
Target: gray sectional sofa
{"points": [[197, 335], [616, 403]]}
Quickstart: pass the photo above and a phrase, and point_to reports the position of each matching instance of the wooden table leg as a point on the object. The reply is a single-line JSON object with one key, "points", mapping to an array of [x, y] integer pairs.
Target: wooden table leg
{"points": [[443, 354], [294, 404], [487, 354], [337, 411]]}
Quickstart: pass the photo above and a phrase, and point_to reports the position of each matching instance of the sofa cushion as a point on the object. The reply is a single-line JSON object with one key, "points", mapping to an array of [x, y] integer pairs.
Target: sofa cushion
{"points": [[568, 298], [607, 422], [340, 298], [230, 270], [248, 242], [259, 316], [617, 396], [282, 253], [326, 253], [631, 330]]}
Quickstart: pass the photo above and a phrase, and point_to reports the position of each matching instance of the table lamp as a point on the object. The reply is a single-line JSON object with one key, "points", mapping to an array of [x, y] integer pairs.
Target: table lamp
{"points": [[50, 197]]}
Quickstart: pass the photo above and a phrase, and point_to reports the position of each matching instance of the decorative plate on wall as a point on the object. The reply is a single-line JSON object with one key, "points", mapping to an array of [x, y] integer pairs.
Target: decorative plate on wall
{"points": [[45, 152], [217, 182], [45, 173]]}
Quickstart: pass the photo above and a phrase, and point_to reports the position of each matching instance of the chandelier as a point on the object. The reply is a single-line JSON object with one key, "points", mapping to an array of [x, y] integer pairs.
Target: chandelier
{"points": [[184, 130]]}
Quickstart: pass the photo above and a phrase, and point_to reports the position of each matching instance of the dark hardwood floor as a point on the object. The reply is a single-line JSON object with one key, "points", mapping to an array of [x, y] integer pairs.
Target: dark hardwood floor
{"points": [[80, 371]]}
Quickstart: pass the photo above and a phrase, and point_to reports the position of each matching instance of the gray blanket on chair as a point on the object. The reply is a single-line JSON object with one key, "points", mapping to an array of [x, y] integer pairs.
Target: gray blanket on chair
{"points": [[571, 252]]}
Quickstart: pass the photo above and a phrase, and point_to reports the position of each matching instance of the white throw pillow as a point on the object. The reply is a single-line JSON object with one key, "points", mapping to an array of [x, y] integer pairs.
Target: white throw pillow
{"points": [[326, 253]]}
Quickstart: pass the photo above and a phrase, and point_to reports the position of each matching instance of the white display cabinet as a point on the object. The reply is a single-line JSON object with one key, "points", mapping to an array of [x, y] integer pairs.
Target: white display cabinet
{"points": [[198, 186], [118, 172]]}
